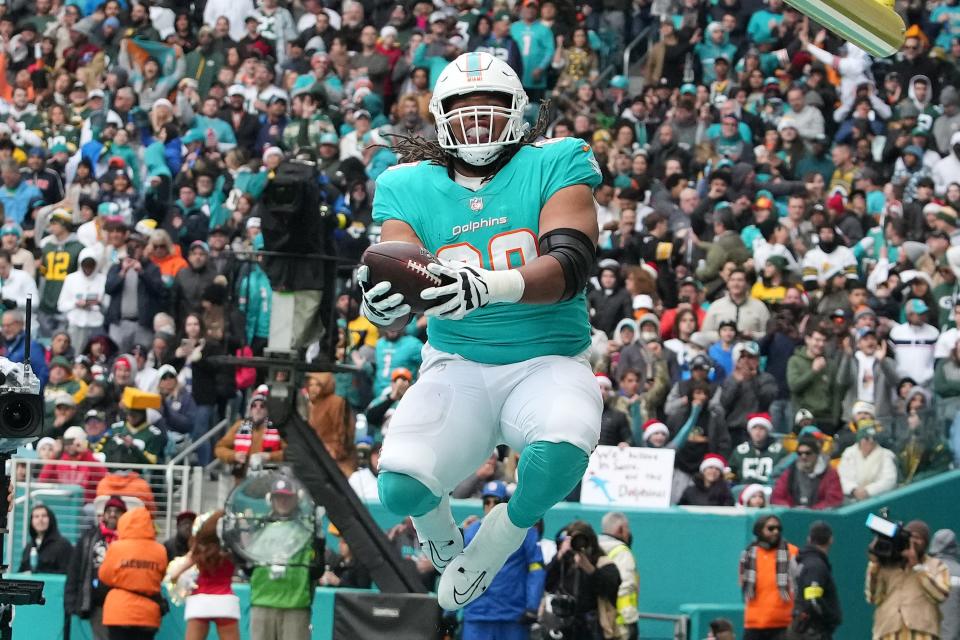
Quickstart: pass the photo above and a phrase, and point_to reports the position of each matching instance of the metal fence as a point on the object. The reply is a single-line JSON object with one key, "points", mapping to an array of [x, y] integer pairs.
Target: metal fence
{"points": [[71, 490]]}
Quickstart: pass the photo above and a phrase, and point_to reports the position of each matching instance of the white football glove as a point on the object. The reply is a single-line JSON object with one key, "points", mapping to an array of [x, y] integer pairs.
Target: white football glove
{"points": [[473, 288], [378, 307]]}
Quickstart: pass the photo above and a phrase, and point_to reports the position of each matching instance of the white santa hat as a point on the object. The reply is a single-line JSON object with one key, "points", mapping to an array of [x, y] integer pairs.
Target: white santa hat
{"points": [[714, 461], [654, 426], [604, 381], [751, 490], [760, 420], [642, 301]]}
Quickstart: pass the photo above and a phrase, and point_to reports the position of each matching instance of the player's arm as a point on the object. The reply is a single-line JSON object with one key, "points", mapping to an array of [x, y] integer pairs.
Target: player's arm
{"points": [[568, 242], [568, 245], [400, 231]]}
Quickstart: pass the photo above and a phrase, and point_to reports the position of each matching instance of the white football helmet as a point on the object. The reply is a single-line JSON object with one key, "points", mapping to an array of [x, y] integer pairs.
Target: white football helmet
{"points": [[474, 73]]}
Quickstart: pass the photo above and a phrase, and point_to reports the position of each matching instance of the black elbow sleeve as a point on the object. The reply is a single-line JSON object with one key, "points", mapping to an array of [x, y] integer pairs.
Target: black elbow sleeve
{"points": [[575, 252]]}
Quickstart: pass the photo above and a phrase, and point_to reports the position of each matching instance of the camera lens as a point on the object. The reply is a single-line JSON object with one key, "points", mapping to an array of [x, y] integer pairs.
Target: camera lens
{"points": [[579, 542], [17, 417]]}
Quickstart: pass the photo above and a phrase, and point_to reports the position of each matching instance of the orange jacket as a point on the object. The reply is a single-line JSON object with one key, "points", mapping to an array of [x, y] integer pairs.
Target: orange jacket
{"points": [[768, 610], [127, 484], [171, 265], [136, 562]]}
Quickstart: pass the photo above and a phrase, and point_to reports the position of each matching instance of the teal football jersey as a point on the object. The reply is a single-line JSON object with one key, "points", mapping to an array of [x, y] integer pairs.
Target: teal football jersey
{"points": [[496, 227]]}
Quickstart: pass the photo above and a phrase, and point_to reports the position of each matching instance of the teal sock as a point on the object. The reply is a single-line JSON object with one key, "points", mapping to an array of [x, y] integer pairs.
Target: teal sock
{"points": [[404, 495], [547, 473]]}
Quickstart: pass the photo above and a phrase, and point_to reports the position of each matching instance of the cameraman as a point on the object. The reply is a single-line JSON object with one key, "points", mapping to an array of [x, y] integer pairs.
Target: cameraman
{"points": [[907, 590], [582, 573]]}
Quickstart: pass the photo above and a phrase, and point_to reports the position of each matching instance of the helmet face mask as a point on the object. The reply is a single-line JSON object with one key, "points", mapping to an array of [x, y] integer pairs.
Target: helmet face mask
{"points": [[461, 131]]}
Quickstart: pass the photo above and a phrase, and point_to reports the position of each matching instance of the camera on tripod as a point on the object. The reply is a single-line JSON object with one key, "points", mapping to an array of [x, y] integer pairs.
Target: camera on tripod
{"points": [[891, 538], [21, 405], [21, 422]]}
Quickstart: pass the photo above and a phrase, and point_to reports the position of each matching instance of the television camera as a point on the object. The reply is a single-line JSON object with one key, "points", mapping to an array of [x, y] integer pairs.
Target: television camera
{"points": [[891, 538], [21, 423]]}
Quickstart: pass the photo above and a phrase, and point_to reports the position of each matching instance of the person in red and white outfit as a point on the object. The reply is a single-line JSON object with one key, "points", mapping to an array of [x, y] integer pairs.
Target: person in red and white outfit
{"points": [[212, 600], [252, 440]]}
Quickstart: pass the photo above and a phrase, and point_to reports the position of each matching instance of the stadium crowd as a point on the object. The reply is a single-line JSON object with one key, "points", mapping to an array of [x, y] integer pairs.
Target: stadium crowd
{"points": [[776, 287]]}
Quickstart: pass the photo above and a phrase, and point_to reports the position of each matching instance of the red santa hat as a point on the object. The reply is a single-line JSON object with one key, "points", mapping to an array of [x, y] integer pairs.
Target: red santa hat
{"points": [[604, 381], [835, 203], [751, 490], [653, 426], [760, 420], [651, 269], [714, 461], [261, 393]]}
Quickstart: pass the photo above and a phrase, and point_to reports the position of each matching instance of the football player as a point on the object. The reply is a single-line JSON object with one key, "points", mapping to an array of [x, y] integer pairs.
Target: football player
{"points": [[511, 218]]}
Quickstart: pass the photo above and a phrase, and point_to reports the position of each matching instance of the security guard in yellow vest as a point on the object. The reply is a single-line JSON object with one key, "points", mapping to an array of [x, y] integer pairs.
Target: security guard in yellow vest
{"points": [[615, 542]]}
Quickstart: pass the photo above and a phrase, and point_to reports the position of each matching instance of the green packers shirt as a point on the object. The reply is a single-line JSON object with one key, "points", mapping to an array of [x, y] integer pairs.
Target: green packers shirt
{"points": [[58, 261]]}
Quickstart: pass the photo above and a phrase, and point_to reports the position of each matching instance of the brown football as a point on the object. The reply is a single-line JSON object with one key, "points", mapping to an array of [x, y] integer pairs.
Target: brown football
{"points": [[404, 265]]}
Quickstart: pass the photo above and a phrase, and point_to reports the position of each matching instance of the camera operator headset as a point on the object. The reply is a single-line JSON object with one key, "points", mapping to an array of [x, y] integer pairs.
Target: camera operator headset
{"points": [[905, 584], [583, 583]]}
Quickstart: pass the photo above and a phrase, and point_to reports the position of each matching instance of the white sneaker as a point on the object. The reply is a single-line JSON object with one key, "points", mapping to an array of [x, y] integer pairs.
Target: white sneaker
{"points": [[471, 572], [439, 536]]}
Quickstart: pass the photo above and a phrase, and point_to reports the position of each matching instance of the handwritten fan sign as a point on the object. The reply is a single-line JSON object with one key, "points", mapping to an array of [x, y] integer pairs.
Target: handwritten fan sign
{"points": [[629, 477]]}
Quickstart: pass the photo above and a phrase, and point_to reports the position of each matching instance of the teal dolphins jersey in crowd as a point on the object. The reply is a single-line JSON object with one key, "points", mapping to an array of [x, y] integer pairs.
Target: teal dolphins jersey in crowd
{"points": [[495, 227]]}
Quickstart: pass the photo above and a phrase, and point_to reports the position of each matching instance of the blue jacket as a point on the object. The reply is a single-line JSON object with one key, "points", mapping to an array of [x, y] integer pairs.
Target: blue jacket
{"points": [[91, 151], [723, 360], [708, 52], [777, 348], [758, 29], [254, 299], [517, 588], [392, 354], [178, 413], [13, 351], [536, 50], [426, 56], [16, 203]]}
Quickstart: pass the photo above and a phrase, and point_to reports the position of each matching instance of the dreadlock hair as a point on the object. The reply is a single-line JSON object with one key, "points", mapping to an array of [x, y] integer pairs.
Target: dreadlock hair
{"points": [[419, 149]]}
